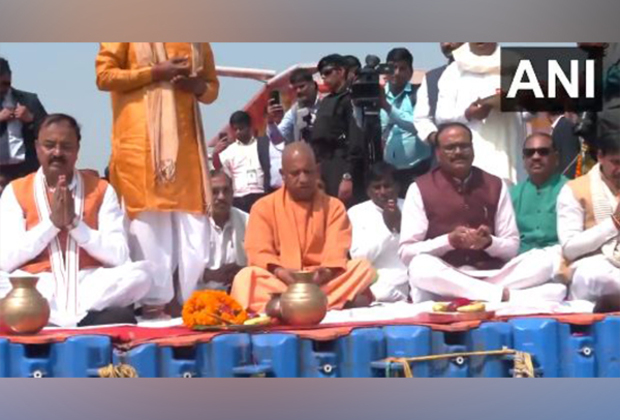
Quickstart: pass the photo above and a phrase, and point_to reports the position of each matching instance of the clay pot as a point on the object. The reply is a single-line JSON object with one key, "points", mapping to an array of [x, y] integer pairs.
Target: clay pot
{"points": [[24, 310], [303, 303]]}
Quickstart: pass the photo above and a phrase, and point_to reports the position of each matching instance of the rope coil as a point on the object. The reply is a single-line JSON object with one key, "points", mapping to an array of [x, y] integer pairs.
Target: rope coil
{"points": [[119, 371], [523, 363]]}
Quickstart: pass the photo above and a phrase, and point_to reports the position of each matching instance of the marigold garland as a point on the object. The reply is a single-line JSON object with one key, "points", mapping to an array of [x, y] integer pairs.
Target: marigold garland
{"points": [[212, 308]]}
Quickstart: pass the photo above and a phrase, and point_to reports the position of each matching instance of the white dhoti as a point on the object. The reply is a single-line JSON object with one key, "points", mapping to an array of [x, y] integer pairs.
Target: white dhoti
{"points": [[593, 278], [527, 276], [392, 285], [169, 241], [98, 289]]}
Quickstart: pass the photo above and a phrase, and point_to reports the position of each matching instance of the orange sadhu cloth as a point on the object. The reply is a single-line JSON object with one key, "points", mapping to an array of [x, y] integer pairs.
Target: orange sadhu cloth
{"points": [[299, 236]]}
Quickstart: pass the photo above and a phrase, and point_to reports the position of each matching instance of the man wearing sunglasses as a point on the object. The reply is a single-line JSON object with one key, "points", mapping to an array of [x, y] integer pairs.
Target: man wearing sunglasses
{"points": [[336, 138], [459, 238], [20, 115], [534, 201], [588, 226]]}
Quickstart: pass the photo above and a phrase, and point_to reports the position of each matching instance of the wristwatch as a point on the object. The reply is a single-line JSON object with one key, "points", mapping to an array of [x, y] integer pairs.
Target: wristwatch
{"points": [[347, 177]]}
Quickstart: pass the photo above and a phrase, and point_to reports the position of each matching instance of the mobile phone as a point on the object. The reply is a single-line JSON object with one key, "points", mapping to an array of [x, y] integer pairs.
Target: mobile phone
{"points": [[223, 135], [274, 97]]}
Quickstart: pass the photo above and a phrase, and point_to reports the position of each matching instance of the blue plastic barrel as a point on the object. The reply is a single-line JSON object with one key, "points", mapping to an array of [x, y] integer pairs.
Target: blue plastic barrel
{"points": [[76, 357], [272, 355], [539, 336], [490, 336], [577, 355], [607, 347]]}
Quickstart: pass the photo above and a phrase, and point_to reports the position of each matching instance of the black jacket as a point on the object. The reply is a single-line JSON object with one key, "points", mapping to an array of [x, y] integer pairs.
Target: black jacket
{"points": [[29, 131]]}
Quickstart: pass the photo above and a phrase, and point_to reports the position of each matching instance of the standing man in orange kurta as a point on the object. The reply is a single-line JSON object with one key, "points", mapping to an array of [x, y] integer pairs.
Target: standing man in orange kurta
{"points": [[159, 164], [299, 227]]}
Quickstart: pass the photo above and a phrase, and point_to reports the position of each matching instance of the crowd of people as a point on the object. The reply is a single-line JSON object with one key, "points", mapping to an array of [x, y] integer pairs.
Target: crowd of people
{"points": [[463, 204]]}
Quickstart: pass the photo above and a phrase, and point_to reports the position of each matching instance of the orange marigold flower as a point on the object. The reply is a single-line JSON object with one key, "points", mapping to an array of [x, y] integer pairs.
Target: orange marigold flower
{"points": [[212, 308]]}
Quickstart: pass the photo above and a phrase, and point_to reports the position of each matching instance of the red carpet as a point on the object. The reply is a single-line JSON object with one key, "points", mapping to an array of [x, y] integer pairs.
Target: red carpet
{"points": [[132, 336]]}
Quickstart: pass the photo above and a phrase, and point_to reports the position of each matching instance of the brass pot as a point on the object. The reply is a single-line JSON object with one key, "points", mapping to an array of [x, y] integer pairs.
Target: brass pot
{"points": [[303, 303], [273, 308], [24, 310]]}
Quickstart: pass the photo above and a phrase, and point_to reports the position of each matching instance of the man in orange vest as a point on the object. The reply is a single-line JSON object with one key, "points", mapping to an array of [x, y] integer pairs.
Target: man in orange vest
{"points": [[65, 226]]}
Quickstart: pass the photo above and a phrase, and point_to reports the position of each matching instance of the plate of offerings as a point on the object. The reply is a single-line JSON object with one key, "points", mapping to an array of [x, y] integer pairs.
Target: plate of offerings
{"points": [[215, 310], [457, 310]]}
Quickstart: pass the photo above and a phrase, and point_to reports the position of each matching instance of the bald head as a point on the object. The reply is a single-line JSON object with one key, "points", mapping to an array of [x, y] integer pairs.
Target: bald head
{"points": [[296, 150], [299, 171]]}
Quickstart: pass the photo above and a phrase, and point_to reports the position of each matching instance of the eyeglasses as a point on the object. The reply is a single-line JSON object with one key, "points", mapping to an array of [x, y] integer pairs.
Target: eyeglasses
{"points": [[542, 151], [5, 83]]}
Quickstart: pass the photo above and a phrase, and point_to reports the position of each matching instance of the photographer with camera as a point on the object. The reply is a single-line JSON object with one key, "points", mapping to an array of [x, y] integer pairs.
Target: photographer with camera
{"points": [[403, 149], [353, 67], [336, 138]]}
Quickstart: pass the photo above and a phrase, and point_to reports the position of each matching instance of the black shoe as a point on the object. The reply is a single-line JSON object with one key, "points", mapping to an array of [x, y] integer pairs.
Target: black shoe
{"points": [[607, 303], [109, 316]]}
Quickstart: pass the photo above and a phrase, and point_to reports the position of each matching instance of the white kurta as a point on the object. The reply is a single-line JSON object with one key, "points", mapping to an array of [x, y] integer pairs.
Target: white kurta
{"points": [[594, 275], [524, 275], [226, 245], [373, 241], [122, 284], [498, 138]]}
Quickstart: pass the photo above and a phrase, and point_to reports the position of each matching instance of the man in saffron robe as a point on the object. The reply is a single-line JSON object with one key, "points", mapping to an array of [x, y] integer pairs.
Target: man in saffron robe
{"points": [[299, 227], [158, 163]]}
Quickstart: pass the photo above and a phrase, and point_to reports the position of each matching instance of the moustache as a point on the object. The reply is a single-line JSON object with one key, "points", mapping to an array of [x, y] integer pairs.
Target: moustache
{"points": [[57, 159]]}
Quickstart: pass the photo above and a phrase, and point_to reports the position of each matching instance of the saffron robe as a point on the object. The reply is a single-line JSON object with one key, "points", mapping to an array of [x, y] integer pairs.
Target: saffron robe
{"points": [[295, 235]]}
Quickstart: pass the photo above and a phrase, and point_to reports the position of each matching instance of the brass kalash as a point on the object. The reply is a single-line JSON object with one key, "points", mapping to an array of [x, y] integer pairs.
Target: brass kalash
{"points": [[302, 304], [24, 310]]}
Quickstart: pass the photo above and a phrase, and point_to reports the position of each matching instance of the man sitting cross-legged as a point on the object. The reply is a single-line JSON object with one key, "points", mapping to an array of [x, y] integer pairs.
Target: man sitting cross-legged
{"points": [[459, 238], [226, 253], [299, 227], [376, 233], [66, 227], [589, 226]]}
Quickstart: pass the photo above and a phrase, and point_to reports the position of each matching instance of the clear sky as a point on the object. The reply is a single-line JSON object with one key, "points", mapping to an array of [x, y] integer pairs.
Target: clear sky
{"points": [[63, 75]]}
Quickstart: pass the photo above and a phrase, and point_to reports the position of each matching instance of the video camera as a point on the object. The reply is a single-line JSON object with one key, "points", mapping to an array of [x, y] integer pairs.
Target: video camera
{"points": [[366, 90]]}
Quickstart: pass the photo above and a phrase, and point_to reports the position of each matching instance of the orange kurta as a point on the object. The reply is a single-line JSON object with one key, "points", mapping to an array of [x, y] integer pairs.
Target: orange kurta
{"points": [[131, 165], [298, 236]]}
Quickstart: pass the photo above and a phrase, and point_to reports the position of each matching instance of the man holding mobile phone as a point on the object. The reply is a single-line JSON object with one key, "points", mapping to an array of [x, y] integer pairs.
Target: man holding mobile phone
{"points": [[20, 115], [296, 123], [468, 93]]}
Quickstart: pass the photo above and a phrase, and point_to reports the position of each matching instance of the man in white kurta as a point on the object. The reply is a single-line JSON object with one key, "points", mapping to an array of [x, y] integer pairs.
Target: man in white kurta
{"points": [[459, 238], [376, 233], [226, 253], [475, 75], [66, 227], [588, 226]]}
